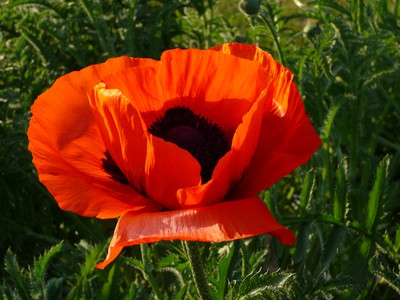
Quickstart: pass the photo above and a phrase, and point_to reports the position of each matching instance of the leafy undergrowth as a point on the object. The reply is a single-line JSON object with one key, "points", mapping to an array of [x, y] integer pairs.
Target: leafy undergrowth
{"points": [[343, 205]]}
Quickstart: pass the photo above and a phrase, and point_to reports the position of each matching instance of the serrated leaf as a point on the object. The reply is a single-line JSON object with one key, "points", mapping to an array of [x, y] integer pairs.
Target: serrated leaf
{"points": [[271, 202], [335, 239], [82, 287], [335, 286], [380, 268], [330, 117], [302, 242], [376, 196], [16, 274], [91, 259], [306, 192], [257, 258], [258, 285], [40, 265], [135, 263], [147, 273], [37, 273], [175, 273], [339, 200]]}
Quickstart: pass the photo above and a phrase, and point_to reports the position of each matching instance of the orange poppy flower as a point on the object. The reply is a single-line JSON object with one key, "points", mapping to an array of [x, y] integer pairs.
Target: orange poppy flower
{"points": [[177, 148]]}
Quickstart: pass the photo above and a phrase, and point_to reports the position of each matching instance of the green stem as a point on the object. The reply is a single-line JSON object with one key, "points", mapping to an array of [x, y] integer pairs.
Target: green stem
{"points": [[271, 26], [196, 265], [148, 274]]}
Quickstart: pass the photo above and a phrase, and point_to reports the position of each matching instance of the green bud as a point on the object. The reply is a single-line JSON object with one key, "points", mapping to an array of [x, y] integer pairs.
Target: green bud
{"points": [[249, 7]]}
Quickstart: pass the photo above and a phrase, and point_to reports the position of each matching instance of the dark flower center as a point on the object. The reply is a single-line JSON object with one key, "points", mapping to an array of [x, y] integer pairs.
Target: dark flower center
{"points": [[203, 139], [112, 169]]}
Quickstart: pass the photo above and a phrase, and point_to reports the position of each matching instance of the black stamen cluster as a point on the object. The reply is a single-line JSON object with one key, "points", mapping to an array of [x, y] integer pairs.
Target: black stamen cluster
{"points": [[203, 139], [113, 170]]}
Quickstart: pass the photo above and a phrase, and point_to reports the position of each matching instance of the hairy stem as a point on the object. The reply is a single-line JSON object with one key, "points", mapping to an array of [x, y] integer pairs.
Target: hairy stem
{"points": [[197, 267]]}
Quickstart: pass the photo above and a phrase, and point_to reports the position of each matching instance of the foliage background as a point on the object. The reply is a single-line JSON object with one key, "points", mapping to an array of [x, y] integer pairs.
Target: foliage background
{"points": [[343, 205]]}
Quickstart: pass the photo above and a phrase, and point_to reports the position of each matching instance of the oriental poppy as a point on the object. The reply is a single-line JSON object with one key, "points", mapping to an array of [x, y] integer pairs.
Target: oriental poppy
{"points": [[177, 148]]}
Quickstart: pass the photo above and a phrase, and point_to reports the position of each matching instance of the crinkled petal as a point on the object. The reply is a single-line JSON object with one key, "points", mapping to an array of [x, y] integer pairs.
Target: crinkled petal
{"points": [[68, 149], [230, 167], [274, 70], [253, 53], [224, 221], [156, 168], [123, 132], [211, 84], [287, 138], [287, 141]]}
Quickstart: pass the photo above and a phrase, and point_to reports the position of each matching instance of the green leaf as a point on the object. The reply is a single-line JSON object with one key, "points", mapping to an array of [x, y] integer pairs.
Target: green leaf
{"points": [[332, 4], [258, 285], [38, 272], [135, 263], [223, 268], [335, 239], [339, 200], [110, 288], [182, 292], [302, 242], [334, 287], [390, 274], [328, 122], [397, 239], [16, 274], [40, 265], [54, 288], [146, 270], [306, 192], [55, 6], [82, 287], [36, 44], [132, 292], [377, 194]]}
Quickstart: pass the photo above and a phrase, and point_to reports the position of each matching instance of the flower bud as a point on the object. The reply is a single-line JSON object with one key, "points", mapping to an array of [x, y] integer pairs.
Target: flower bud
{"points": [[249, 7]]}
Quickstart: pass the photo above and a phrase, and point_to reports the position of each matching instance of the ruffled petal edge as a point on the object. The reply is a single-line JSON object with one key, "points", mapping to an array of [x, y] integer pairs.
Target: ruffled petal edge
{"points": [[224, 221]]}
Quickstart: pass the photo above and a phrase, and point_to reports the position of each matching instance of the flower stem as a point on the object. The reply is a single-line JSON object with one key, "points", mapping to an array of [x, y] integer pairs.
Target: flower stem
{"points": [[271, 26], [148, 274], [197, 267]]}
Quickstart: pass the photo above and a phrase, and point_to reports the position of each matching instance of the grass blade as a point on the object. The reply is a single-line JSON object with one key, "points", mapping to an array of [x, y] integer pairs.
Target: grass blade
{"points": [[223, 268]]}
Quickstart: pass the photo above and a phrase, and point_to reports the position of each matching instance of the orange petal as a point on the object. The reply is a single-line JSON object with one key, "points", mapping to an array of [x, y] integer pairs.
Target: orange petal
{"points": [[168, 168], [67, 147], [153, 166], [123, 132], [77, 180], [287, 137], [253, 53], [212, 84], [231, 166], [287, 142], [224, 221], [274, 70]]}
